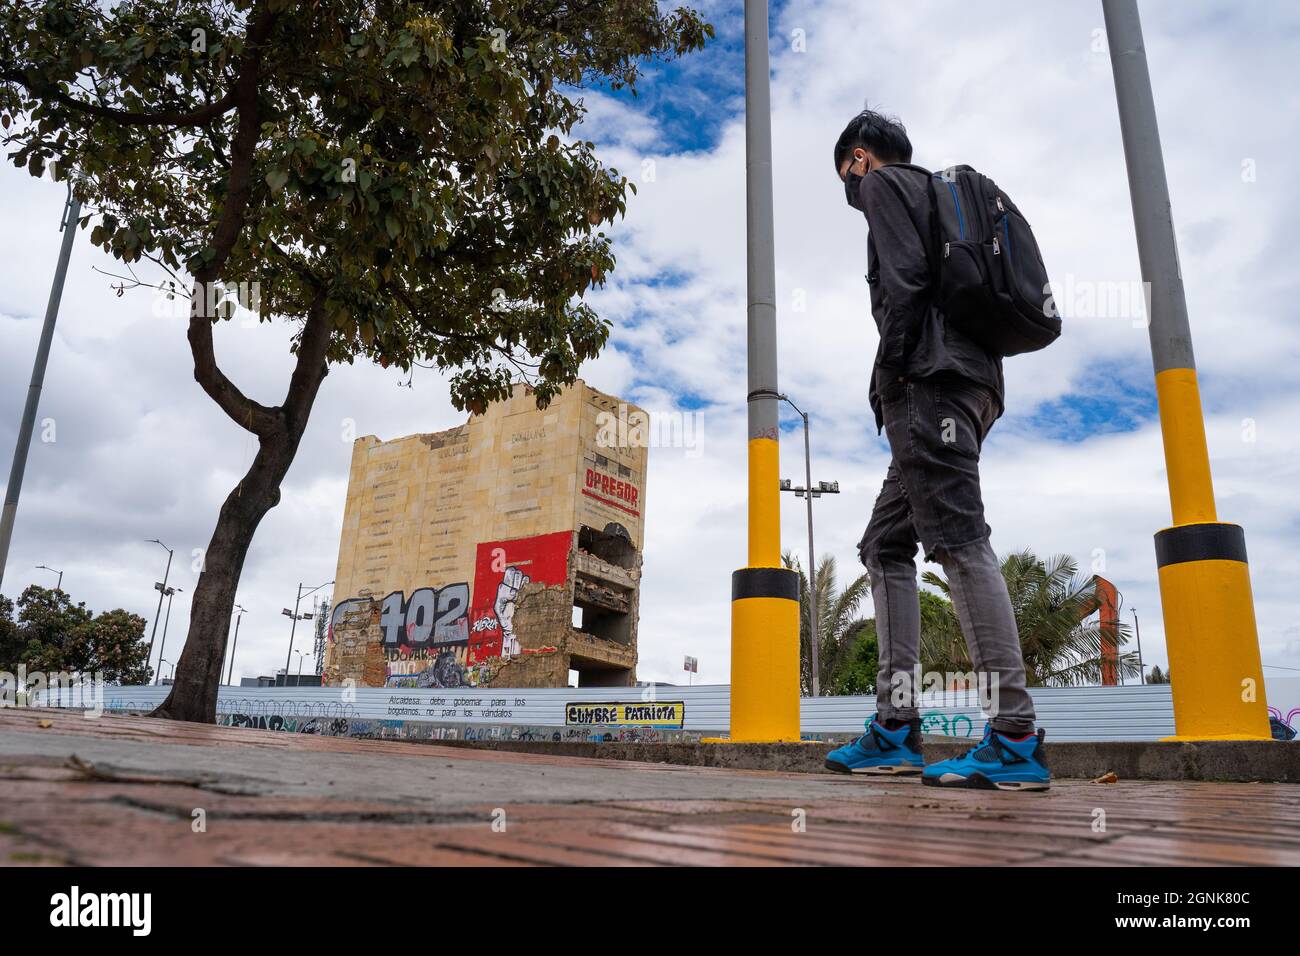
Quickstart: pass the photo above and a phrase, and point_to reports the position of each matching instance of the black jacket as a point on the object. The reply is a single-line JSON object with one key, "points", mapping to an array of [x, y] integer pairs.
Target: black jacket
{"points": [[915, 341]]}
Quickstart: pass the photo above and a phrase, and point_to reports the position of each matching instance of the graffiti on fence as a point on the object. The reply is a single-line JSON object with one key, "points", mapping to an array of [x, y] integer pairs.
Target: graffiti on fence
{"points": [[1282, 727], [956, 725]]}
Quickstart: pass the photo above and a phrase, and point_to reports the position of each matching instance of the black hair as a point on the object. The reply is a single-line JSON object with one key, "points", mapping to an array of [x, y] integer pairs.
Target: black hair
{"points": [[883, 135]]}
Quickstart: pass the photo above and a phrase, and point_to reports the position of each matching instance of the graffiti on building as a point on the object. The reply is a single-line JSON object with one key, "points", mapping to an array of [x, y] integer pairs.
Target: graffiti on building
{"points": [[501, 569], [454, 544], [424, 637], [431, 616], [427, 640]]}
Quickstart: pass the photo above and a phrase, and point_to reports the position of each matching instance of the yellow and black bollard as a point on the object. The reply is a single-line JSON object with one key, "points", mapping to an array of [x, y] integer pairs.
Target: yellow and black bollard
{"points": [[1218, 681], [764, 616], [1204, 586], [764, 595]]}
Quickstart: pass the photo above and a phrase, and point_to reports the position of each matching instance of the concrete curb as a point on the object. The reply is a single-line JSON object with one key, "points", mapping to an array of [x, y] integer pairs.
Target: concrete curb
{"points": [[1228, 760]]}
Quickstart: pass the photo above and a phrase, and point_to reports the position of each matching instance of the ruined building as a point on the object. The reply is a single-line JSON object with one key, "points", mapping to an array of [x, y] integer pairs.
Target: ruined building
{"points": [[504, 552]]}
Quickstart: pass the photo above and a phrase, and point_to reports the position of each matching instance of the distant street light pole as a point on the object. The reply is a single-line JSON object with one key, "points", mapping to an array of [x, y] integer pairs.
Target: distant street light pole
{"points": [[296, 618], [161, 588], [68, 226], [808, 492], [299, 683], [44, 567], [166, 620], [1137, 630], [161, 662], [235, 643]]}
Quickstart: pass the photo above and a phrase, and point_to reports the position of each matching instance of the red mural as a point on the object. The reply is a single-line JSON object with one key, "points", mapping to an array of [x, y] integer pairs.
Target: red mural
{"points": [[501, 569]]}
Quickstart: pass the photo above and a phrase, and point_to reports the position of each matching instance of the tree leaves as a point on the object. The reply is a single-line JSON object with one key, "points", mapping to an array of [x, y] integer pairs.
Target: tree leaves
{"points": [[51, 634], [411, 161]]}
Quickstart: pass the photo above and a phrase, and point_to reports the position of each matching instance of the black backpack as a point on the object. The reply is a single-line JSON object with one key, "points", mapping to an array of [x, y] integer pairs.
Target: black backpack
{"points": [[989, 278]]}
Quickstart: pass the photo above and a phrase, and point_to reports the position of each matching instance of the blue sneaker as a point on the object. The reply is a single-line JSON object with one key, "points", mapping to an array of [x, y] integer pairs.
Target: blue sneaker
{"points": [[880, 751], [996, 763]]}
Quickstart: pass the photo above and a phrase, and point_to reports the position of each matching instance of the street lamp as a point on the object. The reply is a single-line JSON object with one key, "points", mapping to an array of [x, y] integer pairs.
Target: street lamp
{"points": [[9, 513], [296, 618], [161, 662], [59, 586], [809, 492], [235, 643], [1137, 630], [299, 653], [161, 588], [166, 620]]}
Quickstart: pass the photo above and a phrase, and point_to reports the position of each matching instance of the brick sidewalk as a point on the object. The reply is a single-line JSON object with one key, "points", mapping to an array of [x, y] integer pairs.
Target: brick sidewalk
{"points": [[122, 790]]}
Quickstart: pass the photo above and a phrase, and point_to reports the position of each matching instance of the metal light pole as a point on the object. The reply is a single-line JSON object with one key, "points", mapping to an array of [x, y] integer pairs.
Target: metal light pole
{"points": [[235, 643], [163, 646], [299, 683], [809, 492], [296, 618], [44, 567], [1204, 578], [68, 226], [1137, 630], [161, 588], [764, 595]]}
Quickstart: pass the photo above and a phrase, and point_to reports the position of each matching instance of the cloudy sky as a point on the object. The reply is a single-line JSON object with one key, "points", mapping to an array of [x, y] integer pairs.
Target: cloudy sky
{"points": [[1020, 90]]}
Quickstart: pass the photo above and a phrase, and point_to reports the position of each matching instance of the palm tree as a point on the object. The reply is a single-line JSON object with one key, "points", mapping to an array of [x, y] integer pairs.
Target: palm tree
{"points": [[838, 622], [1051, 604]]}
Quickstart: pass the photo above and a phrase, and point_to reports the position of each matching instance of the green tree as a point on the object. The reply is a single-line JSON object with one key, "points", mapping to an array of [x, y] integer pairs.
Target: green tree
{"points": [[838, 622], [857, 671], [1051, 604], [51, 634], [398, 180], [1157, 676], [943, 647]]}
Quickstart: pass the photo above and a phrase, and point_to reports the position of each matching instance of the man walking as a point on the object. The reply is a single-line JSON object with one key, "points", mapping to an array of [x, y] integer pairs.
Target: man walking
{"points": [[935, 393]]}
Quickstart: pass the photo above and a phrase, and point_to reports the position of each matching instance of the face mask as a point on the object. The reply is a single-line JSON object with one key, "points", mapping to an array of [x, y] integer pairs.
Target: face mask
{"points": [[851, 183]]}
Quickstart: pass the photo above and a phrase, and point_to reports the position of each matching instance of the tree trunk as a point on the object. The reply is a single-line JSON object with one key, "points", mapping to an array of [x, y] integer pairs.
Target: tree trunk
{"points": [[198, 671]]}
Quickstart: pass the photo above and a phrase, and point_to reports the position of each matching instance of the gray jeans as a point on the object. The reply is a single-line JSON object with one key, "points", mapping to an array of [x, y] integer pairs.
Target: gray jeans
{"points": [[936, 428]]}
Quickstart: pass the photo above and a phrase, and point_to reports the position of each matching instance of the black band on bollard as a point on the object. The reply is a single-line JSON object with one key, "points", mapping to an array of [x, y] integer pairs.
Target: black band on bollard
{"points": [[765, 583], [1200, 542]]}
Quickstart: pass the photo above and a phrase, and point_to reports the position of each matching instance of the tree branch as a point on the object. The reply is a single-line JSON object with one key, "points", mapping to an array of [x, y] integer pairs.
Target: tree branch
{"points": [[260, 419], [197, 117], [310, 368]]}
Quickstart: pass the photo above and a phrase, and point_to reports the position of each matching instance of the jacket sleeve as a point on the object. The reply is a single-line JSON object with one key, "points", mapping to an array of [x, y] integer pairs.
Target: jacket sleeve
{"points": [[904, 268]]}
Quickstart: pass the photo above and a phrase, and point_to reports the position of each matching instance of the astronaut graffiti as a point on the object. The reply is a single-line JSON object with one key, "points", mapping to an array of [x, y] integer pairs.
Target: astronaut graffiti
{"points": [[501, 570]]}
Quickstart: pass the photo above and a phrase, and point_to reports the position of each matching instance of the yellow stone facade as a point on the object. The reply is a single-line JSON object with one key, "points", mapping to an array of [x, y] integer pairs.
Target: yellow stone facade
{"points": [[465, 552]]}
